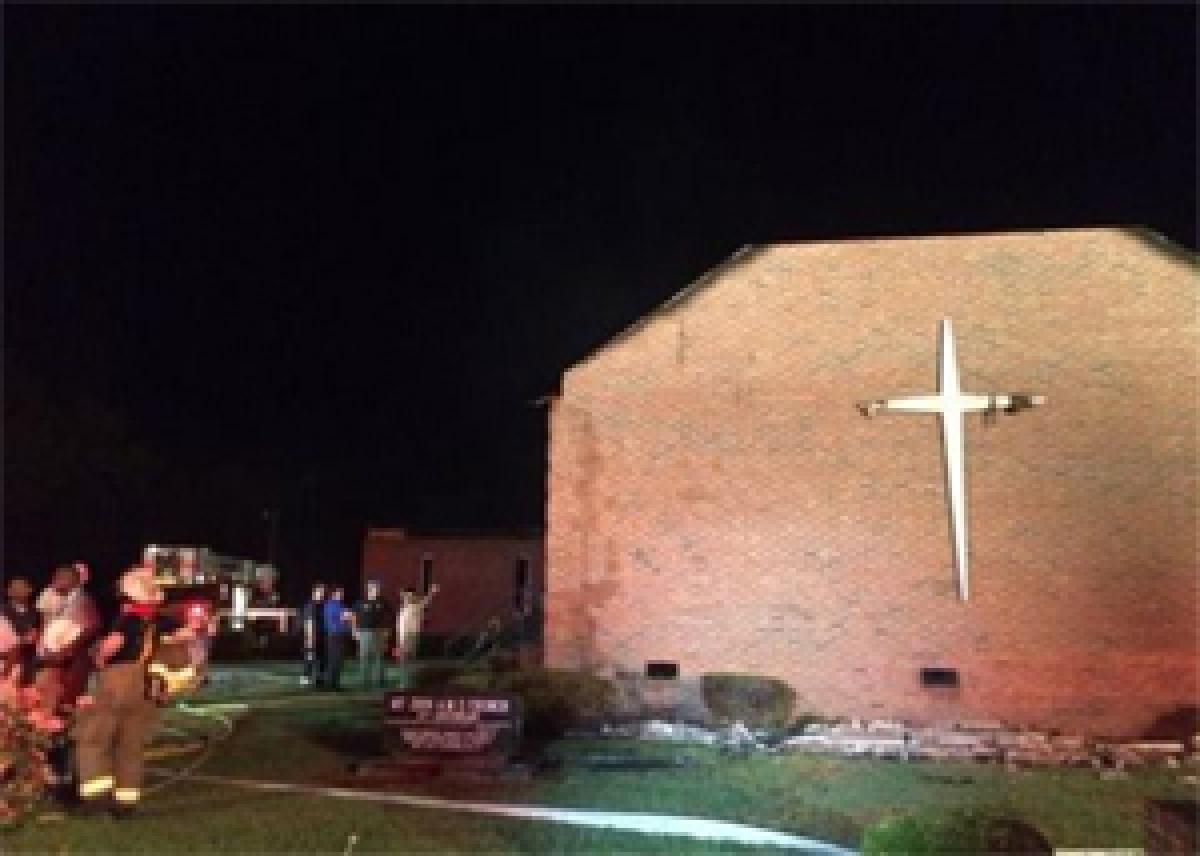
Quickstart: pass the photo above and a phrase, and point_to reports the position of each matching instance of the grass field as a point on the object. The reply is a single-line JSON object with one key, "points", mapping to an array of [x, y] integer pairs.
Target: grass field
{"points": [[295, 736]]}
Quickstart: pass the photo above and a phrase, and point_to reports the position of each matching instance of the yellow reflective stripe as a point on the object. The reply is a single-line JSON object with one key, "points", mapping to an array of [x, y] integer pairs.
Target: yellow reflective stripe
{"points": [[127, 795], [172, 676], [98, 785]]}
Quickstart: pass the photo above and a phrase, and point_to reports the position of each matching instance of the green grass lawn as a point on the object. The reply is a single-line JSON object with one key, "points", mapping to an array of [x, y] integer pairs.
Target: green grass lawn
{"points": [[212, 819], [294, 735]]}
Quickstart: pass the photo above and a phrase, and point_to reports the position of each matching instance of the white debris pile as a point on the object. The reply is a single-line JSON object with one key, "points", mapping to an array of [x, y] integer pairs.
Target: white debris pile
{"points": [[879, 739], [987, 741], [657, 729], [967, 740], [736, 737]]}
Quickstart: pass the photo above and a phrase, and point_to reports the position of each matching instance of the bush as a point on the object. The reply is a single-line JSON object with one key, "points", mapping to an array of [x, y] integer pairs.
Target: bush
{"points": [[551, 699], [757, 701], [472, 681], [431, 646], [801, 721], [959, 831], [26, 734], [434, 676], [501, 661], [555, 699]]}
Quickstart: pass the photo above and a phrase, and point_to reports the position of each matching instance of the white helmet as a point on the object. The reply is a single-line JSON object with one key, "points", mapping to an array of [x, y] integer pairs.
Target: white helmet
{"points": [[138, 584]]}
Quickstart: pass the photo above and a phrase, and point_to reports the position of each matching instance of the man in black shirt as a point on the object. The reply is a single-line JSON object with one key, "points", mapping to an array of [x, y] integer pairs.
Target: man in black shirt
{"points": [[373, 622], [312, 623]]}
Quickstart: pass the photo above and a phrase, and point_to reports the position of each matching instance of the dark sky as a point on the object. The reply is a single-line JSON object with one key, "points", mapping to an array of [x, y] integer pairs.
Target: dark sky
{"points": [[322, 258]]}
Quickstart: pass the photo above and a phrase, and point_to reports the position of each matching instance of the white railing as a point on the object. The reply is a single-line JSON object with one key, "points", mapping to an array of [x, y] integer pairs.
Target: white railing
{"points": [[282, 616]]}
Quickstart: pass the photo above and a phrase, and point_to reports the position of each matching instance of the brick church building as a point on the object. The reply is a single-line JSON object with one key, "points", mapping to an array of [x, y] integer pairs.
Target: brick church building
{"points": [[719, 503], [481, 575]]}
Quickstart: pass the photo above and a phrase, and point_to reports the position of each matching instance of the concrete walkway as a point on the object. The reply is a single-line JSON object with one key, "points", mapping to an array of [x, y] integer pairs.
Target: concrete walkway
{"points": [[649, 824]]}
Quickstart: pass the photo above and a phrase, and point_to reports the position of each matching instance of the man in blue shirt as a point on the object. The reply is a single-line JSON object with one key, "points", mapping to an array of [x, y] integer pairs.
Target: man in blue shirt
{"points": [[339, 622]]}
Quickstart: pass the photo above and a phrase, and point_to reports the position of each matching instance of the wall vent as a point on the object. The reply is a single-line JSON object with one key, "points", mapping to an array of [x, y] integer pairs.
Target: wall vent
{"points": [[662, 671], [939, 677]]}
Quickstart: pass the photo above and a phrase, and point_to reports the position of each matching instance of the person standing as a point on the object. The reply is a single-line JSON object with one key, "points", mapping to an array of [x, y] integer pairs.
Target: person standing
{"points": [[312, 620], [409, 619], [70, 622], [82, 606], [16, 658], [51, 599], [118, 717], [373, 621], [338, 622]]}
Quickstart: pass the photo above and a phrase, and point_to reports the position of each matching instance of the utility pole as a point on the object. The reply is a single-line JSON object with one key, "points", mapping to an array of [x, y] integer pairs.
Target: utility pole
{"points": [[271, 515]]}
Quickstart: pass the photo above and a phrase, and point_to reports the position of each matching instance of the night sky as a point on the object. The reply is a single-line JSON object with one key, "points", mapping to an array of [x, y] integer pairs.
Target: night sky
{"points": [[323, 259]]}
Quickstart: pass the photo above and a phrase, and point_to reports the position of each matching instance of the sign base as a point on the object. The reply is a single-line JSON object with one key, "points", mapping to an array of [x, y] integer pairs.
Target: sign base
{"points": [[488, 768]]}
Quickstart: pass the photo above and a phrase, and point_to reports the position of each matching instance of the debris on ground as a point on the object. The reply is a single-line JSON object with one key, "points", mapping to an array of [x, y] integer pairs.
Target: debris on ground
{"points": [[983, 741]]}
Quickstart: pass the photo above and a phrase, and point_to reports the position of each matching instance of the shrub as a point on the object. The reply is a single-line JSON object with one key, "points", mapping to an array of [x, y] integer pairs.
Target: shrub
{"points": [[26, 734], [757, 701], [431, 645], [555, 699], [501, 661], [434, 676], [551, 699], [960, 831], [472, 681], [801, 721]]}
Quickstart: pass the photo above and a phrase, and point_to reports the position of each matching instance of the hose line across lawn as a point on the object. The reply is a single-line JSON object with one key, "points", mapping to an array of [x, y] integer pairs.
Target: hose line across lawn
{"points": [[213, 713], [647, 824]]}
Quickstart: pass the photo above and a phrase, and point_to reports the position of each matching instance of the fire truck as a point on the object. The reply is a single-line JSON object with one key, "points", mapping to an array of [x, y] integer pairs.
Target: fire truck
{"points": [[233, 593]]}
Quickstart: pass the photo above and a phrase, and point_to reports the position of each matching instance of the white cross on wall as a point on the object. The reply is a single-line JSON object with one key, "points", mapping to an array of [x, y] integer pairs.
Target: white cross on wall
{"points": [[950, 404]]}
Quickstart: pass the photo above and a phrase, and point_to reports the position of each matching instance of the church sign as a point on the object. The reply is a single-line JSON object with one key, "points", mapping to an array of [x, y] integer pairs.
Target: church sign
{"points": [[453, 724]]}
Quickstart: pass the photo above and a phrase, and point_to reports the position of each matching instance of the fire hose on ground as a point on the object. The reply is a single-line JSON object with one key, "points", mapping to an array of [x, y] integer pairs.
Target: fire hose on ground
{"points": [[214, 713]]}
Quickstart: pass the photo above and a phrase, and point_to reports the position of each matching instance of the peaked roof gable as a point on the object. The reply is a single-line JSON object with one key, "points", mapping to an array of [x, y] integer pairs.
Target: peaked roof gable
{"points": [[748, 252]]}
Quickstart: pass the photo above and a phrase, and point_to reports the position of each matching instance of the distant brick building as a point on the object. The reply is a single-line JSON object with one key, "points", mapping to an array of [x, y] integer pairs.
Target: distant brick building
{"points": [[716, 502], [480, 575]]}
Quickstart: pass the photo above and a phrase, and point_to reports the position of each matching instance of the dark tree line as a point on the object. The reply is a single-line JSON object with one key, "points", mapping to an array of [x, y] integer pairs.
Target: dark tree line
{"points": [[80, 484]]}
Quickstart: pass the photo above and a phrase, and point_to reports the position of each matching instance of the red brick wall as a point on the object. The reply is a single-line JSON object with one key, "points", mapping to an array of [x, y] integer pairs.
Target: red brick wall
{"points": [[716, 500], [476, 574]]}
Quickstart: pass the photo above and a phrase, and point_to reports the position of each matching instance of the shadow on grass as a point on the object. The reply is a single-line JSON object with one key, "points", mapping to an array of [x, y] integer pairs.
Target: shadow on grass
{"points": [[168, 808], [351, 743]]}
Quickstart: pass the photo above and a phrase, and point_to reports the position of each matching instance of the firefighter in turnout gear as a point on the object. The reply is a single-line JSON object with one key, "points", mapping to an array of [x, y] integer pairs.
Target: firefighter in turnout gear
{"points": [[119, 716]]}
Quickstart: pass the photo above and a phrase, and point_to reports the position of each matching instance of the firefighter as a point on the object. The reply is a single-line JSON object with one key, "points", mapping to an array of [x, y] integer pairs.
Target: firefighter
{"points": [[120, 715]]}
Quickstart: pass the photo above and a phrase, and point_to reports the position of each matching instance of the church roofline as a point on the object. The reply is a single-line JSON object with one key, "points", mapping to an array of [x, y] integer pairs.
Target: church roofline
{"points": [[1155, 240], [677, 299], [397, 533]]}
